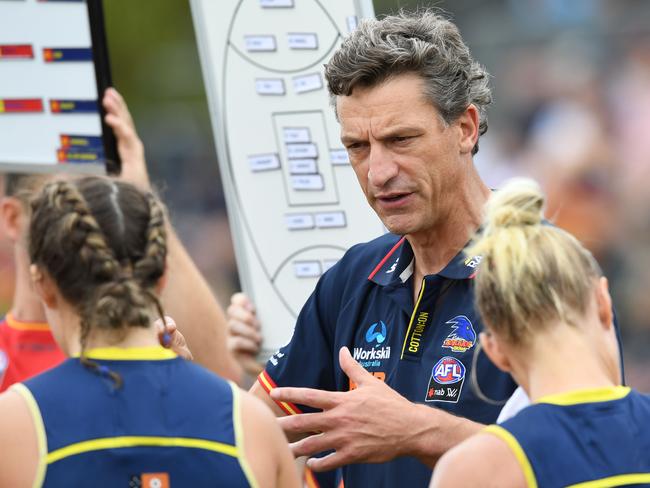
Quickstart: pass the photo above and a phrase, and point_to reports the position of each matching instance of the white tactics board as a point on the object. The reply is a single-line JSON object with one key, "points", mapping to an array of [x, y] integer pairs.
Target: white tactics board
{"points": [[293, 200]]}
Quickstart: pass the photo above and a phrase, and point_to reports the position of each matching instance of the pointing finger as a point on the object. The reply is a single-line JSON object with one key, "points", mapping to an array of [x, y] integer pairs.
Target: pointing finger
{"points": [[307, 396]]}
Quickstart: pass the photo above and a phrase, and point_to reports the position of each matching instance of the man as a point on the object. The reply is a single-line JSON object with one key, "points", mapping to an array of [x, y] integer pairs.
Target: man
{"points": [[26, 343], [412, 103]]}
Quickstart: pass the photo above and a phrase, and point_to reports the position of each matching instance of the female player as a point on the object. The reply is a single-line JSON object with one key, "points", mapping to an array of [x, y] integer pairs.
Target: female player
{"points": [[548, 317], [123, 411]]}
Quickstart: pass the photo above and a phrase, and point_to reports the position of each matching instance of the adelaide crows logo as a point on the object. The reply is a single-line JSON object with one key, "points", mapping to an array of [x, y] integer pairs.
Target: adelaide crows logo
{"points": [[462, 336]]}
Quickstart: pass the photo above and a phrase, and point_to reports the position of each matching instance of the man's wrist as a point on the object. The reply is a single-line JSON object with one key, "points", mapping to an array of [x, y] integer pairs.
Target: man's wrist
{"points": [[435, 431]]}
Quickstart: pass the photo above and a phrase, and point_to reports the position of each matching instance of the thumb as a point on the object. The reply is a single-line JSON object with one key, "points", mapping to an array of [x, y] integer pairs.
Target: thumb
{"points": [[351, 368]]}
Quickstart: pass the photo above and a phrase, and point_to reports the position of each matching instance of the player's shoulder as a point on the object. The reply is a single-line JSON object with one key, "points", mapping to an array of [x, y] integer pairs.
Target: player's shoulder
{"points": [[482, 452]]}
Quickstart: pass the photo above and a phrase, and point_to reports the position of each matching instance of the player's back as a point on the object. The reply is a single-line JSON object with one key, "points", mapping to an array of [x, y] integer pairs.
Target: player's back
{"points": [[170, 421], [584, 436]]}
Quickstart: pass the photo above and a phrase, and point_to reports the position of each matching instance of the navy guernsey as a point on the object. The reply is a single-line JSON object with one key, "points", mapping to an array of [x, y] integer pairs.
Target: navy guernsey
{"points": [[427, 351], [172, 423], [588, 438]]}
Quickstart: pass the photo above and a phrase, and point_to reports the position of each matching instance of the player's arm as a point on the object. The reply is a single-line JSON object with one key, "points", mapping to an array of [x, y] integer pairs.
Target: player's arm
{"points": [[186, 296], [265, 446], [20, 455], [482, 460]]}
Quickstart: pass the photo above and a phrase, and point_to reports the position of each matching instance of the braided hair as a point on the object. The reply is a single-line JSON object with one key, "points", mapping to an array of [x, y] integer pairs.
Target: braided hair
{"points": [[104, 244]]}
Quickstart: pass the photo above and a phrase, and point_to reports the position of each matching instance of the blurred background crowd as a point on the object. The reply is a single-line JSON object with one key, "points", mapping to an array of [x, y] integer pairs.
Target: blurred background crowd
{"points": [[571, 84]]}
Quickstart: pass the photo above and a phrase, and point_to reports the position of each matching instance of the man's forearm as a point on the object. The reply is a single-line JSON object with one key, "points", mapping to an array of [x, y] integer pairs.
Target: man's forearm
{"points": [[190, 301], [433, 432]]}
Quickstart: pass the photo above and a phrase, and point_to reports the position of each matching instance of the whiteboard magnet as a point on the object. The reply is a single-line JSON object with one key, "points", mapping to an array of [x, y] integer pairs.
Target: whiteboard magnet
{"points": [[296, 134], [260, 43], [269, 86], [276, 3], [339, 157], [302, 166], [299, 221], [307, 269], [307, 183], [307, 83], [329, 220], [263, 162], [352, 22], [302, 41], [302, 150]]}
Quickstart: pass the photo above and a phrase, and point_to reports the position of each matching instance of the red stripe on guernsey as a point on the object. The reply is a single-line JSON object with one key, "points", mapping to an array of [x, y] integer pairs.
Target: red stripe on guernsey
{"points": [[16, 51], [386, 257], [268, 384]]}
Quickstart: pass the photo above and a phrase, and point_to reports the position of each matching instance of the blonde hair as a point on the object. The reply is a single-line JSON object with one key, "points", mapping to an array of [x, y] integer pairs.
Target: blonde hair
{"points": [[532, 273]]}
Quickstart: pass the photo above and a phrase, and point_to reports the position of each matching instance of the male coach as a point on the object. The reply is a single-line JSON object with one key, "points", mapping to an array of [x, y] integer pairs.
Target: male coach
{"points": [[411, 103]]}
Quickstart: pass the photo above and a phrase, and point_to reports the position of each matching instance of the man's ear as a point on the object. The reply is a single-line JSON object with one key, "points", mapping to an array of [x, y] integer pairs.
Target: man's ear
{"points": [[494, 351], [44, 287], [604, 303], [12, 215], [468, 123]]}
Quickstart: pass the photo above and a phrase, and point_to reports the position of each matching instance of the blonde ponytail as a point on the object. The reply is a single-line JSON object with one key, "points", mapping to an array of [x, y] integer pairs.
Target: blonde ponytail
{"points": [[532, 273]]}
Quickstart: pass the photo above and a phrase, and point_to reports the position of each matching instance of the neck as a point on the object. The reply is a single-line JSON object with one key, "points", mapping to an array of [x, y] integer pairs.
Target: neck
{"points": [[562, 360], [434, 247], [26, 306], [125, 337]]}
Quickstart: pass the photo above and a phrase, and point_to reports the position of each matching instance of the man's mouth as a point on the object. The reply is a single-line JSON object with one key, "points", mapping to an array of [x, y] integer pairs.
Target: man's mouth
{"points": [[393, 200]]}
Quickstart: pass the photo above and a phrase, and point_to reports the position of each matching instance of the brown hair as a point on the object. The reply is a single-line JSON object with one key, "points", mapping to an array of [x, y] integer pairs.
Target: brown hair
{"points": [[104, 244], [422, 42], [532, 273]]}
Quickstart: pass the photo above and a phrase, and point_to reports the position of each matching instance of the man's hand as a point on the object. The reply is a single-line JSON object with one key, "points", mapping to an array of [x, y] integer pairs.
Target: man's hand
{"points": [[244, 337], [371, 423], [171, 338], [129, 145]]}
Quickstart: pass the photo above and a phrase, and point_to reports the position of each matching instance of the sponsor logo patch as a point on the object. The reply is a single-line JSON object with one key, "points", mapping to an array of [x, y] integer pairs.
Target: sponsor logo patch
{"points": [[150, 480], [462, 336], [376, 335], [446, 383]]}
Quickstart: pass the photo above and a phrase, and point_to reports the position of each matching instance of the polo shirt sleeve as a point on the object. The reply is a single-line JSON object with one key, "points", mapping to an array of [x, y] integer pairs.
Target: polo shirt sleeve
{"points": [[308, 359]]}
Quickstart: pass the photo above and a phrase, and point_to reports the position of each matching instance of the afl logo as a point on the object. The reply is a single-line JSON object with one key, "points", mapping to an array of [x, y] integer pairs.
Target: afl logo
{"points": [[448, 370]]}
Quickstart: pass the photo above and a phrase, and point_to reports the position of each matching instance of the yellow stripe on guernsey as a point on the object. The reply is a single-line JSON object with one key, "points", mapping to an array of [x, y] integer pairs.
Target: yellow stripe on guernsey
{"points": [[239, 436], [148, 353], [41, 438], [620, 480], [519, 453], [593, 395], [18, 325], [139, 441], [2, 106], [415, 309]]}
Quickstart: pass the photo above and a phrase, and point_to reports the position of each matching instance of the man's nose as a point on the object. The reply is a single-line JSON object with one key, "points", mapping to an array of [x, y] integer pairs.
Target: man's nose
{"points": [[381, 166]]}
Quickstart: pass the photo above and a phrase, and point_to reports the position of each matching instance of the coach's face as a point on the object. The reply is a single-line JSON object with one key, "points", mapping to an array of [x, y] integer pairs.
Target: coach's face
{"points": [[410, 164]]}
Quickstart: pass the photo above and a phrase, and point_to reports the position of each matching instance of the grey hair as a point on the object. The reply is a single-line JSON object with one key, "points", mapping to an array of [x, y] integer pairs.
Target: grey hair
{"points": [[421, 42]]}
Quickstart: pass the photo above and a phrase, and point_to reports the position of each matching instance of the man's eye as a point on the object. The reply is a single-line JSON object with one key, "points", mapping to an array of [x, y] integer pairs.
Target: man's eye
{"points": [[401, 138]]}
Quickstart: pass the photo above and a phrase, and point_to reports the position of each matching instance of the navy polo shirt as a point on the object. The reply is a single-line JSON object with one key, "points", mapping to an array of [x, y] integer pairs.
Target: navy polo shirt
{"points": [[427, 350]]}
